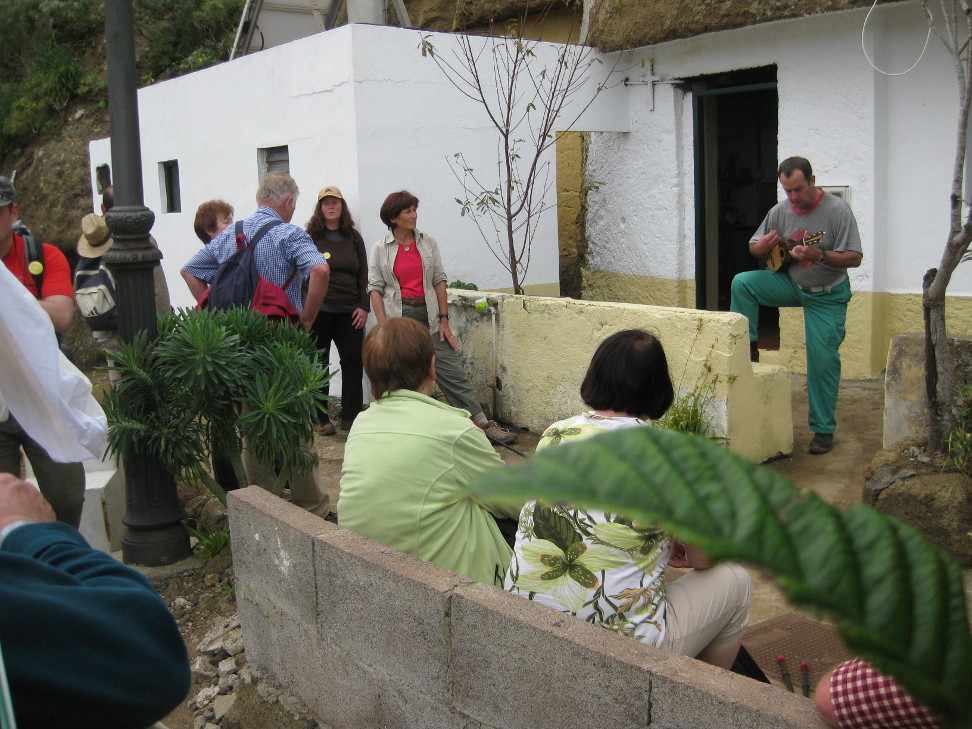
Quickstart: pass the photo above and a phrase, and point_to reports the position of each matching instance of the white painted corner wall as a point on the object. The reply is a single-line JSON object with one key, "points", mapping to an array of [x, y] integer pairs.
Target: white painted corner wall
{"points": [[359, 107]]}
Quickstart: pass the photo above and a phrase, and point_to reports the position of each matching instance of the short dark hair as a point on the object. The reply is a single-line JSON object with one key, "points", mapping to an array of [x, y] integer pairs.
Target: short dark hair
{"points": [[397, 355], [792, 164], [316, 227], [206, 215], [394, 204], [629, 374], [108, 197]]}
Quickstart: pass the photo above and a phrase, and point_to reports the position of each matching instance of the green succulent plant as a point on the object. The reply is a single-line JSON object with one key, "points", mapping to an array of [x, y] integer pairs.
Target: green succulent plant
{"points": [[211, 381]]}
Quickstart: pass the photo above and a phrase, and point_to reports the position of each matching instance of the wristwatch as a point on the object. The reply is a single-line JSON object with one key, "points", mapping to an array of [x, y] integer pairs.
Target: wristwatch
{"points": [[823, 257], [443, 316]]}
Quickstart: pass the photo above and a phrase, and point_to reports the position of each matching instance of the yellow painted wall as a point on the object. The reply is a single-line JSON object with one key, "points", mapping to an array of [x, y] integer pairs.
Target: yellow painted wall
{"points": [[872, 319], [541, 347], [634, 289], [570, 194]]}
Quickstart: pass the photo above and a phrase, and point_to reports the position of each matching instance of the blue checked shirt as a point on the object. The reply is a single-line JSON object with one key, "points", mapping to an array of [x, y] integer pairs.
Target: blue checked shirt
{"points": [[282, 249]]}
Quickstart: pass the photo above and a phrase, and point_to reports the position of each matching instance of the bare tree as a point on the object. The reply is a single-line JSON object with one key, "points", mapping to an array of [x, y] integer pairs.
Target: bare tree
{"points": [[954, 29], [524, 98]]}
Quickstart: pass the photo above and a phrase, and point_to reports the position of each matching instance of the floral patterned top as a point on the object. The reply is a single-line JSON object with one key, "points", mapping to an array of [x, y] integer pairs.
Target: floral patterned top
{"points": [[594, 565]]}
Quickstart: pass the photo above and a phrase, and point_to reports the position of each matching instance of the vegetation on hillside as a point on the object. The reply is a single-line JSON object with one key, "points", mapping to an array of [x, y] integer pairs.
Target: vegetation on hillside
{"points": [[52, 53]]}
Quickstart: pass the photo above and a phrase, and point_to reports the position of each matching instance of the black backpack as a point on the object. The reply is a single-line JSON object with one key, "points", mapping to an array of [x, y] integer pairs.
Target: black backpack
{"points": [[237, 282], [34, 254], [94, 294]]}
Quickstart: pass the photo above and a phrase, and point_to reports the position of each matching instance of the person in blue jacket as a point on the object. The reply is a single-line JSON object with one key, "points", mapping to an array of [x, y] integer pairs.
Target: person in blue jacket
{"points": [[85, 640]]}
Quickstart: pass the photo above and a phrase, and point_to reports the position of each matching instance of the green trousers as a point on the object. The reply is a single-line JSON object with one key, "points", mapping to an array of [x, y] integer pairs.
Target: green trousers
{"points": [[449, 373], [824, 314], [62, 484]]}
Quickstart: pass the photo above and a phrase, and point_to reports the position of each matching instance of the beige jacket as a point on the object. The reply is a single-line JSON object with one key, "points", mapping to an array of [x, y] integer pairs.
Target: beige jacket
{"points": [[381, 275]]}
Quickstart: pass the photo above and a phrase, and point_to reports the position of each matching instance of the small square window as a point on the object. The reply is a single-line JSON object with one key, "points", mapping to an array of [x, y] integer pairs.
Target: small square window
{"points": [[273, 159], [169, 182], [103, 175]]}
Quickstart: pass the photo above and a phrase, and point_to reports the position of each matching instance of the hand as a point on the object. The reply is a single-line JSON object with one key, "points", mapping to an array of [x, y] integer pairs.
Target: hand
{"points": [[685, 555], [358, 318], [765, 243], [445, 334], [307, 318], [805, 254], [20, 500]]}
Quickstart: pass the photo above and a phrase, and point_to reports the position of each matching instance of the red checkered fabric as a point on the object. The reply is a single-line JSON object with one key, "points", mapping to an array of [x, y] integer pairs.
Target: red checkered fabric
{"points": [[866, 699]]}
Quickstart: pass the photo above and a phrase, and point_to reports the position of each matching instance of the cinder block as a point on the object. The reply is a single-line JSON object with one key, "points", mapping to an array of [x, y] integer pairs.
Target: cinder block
{"points": [[688, 694], [389, 609], [338, 692], [403, 707], [273, 550], [520, 665]]}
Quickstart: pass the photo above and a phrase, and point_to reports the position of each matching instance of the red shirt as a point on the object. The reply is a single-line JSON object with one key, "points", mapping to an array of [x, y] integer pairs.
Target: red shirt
{"points": [[57, 273], [408, 271]]}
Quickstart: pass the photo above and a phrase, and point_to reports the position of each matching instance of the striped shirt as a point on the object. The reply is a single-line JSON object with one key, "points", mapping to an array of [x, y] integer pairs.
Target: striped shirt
{"points": [[283, 248]]}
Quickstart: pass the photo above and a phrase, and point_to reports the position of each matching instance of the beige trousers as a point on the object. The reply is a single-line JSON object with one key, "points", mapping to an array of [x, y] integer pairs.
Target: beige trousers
{"points": [[309, 491], [706, 608]]}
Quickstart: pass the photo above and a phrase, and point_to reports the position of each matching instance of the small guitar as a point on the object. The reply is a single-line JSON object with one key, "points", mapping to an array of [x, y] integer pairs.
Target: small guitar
{"points": [[779, 254]]}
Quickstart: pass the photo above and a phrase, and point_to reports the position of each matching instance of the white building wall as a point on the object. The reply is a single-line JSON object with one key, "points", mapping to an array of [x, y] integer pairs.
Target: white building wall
{"points": [[891, 139], [359, 108]]}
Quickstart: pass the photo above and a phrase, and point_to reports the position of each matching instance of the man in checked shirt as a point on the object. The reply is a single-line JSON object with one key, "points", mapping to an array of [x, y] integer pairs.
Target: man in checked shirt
{"points": [[282, 250]]}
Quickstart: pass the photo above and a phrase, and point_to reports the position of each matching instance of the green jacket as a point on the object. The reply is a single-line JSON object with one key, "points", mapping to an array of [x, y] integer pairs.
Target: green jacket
{"points": [[406, 459]]}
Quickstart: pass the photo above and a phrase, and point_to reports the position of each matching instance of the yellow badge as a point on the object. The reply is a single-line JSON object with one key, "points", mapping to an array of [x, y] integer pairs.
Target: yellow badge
{"points": [[36, 268], [327, 254]]}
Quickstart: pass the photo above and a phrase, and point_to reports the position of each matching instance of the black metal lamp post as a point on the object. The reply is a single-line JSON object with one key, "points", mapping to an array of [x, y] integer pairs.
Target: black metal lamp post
{"points": [[153, 516]]}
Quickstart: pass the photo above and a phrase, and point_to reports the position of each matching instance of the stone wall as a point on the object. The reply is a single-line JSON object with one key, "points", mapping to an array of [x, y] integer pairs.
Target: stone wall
{"points": [[370, 637], [542, 347], [905, 401]]}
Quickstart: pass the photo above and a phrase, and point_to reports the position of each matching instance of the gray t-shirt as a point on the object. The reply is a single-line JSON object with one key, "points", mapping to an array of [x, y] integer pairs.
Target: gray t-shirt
{"points": [[832, 216]]}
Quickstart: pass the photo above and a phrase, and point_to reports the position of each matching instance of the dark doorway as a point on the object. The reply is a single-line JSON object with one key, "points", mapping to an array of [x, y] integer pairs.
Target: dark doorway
{"points": [[735, 181]]}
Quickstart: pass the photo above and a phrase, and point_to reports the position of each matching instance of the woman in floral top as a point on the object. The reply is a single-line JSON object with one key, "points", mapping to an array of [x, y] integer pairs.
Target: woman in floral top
{"points": [[604, 568]]}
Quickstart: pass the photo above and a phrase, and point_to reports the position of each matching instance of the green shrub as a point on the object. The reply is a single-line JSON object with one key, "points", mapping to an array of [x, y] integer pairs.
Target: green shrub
{"points": [[213, 381], [185, 35], [41, 61], [960, 439]]}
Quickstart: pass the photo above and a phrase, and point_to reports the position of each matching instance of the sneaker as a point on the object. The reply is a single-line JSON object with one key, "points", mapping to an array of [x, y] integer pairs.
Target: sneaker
{"points": [[325, 429], [821, 443], [496, 432]]}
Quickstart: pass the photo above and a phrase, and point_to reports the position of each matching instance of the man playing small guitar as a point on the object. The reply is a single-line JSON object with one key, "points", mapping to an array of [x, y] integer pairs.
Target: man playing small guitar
{"points": [[820, 233]]}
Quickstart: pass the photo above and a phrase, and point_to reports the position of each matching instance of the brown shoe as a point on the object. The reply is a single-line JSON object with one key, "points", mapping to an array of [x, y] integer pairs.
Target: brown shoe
{"points": [[325, 429], [496, 432]]}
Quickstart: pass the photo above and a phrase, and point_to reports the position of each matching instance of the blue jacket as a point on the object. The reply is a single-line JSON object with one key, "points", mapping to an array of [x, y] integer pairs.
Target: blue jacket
{"points": [[86, 641]]}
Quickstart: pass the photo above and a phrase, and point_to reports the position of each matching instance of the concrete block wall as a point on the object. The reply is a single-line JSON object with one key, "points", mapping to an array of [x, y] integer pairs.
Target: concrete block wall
{"points": [[542, 347], [369, 637]]}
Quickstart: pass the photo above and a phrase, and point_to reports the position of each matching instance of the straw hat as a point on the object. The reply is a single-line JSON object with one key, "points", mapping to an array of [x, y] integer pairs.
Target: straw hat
{"points": [[95, 238]]}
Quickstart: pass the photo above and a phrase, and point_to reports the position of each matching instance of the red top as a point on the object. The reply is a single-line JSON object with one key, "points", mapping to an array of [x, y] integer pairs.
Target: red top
{"points": [[57, 273], [797, 211], [408, 271]]}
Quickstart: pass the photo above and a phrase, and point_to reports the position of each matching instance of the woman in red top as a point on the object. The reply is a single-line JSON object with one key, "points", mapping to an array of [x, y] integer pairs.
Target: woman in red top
{"points": [[406, 278], [345, 308]]}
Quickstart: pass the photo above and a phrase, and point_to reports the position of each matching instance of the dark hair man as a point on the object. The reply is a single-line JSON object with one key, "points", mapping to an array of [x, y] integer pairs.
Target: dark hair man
{"points": [[815, 279], [61, 483]]}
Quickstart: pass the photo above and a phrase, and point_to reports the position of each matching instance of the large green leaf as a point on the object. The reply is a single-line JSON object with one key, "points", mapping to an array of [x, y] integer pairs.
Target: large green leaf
{"points": [[898, 602]]}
